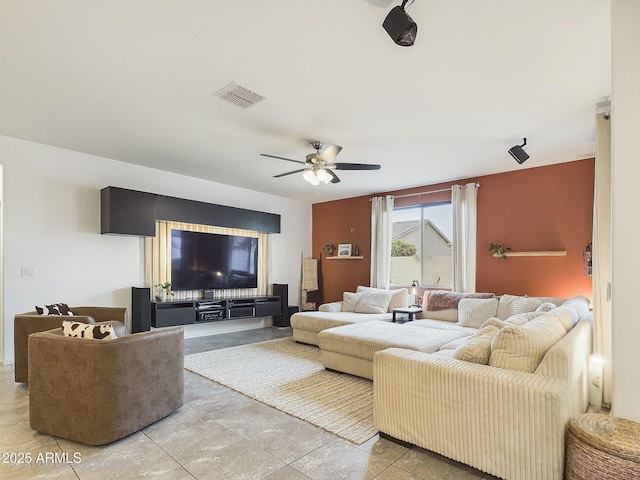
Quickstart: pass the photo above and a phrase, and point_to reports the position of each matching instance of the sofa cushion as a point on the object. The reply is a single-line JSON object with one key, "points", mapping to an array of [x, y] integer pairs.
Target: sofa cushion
{"points": [[399, 297], [511, 305], [318, 321], [523, 347], [472, 312], [363, 340], [477, 347], [350, 301], [84, 330], [373, 302], [54, 309]]}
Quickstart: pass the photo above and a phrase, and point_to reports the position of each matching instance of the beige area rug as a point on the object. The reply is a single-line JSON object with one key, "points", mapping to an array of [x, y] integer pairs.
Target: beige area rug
{"points": [[289, 376]]}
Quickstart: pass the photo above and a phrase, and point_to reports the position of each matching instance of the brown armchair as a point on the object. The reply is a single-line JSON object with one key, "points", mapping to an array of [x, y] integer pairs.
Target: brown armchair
{"points": [[24, 324], [98, 391]]}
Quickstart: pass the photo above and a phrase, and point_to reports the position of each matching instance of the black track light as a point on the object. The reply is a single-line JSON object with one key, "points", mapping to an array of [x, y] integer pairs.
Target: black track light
{"points": [[518, 152], [400, 26]]}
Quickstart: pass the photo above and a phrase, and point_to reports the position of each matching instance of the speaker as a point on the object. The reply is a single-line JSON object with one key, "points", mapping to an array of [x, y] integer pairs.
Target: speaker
{"points": [[519, 154], [140, 309], [282, 290], [400, 26], [208, 295]]}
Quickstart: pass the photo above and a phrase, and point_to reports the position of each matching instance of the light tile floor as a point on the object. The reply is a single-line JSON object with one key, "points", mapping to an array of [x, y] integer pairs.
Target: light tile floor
{"points": [[217, 434]]}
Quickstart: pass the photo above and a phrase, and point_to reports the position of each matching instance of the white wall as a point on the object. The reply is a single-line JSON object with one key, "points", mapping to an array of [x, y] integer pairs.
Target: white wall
{"points": [[52, 223], [625, 170]]}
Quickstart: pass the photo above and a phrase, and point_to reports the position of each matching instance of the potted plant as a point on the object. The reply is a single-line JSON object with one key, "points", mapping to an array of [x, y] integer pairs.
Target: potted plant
{"points": [[497, 250], [163, 291]]}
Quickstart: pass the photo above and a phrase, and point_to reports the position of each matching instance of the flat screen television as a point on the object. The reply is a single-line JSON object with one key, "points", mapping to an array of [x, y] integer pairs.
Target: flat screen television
{"points": [[206, 261]]}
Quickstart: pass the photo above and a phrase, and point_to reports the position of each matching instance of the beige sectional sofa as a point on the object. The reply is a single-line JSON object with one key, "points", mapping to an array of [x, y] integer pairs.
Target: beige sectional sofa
{"points": [[489, 381], [504, 413]]}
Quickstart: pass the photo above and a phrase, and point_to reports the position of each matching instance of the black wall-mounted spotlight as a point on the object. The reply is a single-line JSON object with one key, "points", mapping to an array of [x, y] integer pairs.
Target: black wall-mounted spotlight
{"points": [[518, 152], [400, 26]]}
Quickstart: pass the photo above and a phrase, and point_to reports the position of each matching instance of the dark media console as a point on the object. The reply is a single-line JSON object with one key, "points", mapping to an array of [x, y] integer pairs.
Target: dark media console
{"points": [[186, 312]]}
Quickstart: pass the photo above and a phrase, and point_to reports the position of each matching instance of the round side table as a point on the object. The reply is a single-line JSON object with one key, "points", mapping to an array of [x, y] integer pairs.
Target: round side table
{"points": [[601, 447]]}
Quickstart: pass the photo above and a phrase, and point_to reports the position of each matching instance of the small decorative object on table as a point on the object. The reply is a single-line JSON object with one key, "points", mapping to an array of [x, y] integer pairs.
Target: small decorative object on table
{"points": [[163, 291]]}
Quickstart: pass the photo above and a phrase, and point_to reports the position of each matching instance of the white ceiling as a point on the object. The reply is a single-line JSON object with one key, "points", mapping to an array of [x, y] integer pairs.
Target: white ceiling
{"points": [[133, 80]]}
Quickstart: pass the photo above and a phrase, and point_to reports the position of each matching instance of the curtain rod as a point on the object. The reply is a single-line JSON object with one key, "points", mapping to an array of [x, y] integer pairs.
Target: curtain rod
{"points": [[426, 193]]}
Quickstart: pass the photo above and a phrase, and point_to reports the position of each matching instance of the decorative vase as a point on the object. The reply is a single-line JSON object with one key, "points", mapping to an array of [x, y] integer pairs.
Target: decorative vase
{"points": [[159, 294], [356, 251]]}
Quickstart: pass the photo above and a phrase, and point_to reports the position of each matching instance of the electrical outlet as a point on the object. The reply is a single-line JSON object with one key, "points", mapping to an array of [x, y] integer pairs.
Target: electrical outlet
{"points": [[27, 272]]}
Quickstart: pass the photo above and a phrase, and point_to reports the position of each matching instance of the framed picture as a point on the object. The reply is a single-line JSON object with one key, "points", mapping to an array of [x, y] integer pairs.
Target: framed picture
{"points": [[344, 249]]}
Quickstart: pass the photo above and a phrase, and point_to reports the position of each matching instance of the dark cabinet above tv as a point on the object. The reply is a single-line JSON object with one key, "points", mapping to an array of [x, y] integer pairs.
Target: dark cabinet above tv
{"points": [[130, 212]]}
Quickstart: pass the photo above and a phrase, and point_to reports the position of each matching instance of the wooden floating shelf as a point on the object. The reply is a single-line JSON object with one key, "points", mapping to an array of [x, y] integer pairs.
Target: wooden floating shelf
{"points": [[545, 253], [345, 258]]}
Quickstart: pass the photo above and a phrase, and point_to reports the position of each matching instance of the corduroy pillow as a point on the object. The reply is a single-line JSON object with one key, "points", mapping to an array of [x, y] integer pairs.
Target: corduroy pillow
{"points": [[473, 312], [350, 301], [523, 347], [477, 347], [84, 330], [399, 297], [510, 305], [373, 302]]}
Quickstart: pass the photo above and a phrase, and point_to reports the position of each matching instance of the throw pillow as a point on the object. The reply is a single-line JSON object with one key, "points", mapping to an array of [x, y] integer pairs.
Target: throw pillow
{"points": [[84, 330], [523, 347], [350, 301], [477, 347], [472, 312], [399, 297], [511, 305], [374, 302], [55, 309]]}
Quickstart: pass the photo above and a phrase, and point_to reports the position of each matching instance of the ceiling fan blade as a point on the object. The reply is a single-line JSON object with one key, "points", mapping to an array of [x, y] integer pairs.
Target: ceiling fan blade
{"points": [[289, 173], [329, 153], [282, 158], [356, 166], [335, 178]]}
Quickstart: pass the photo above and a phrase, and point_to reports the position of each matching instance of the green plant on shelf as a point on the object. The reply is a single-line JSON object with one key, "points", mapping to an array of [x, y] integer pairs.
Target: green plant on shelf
{"points": [[497, 250]]}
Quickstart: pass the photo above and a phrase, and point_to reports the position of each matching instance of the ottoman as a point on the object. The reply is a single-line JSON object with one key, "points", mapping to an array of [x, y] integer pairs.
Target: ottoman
{"points": [[350, 348], [601, 447]]}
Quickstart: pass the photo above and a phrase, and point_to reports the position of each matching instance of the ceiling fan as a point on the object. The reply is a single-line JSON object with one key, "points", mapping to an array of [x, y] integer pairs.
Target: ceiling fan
{"points": [[319, 166]]}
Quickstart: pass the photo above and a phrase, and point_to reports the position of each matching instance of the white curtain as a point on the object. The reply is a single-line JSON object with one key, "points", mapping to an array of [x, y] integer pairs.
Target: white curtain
{"points": [[381, 226], [601, 252], [464, 206]]}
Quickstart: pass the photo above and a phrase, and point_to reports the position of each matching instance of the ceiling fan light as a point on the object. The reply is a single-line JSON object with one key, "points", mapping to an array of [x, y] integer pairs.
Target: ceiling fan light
{"points": [[324, 176], [310, 176]]}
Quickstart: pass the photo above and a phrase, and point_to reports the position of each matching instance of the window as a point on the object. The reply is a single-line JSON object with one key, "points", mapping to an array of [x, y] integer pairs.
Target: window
{"points": [[421, 246]]}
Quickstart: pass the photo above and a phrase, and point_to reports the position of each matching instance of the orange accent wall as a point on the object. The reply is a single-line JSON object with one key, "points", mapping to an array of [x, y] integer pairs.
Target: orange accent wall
{"points": [[542, 208]]}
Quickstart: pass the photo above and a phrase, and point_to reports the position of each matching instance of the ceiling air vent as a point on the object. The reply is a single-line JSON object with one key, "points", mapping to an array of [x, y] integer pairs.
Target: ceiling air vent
{"points": [[239, 95]]}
